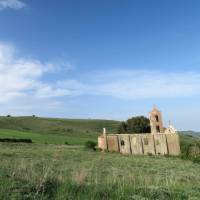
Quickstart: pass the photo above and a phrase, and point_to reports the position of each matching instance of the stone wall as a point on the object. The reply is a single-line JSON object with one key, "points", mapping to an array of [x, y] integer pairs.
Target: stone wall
{"points": [[124, 143], [101, 143], [173, 144], [160, 144], [139, 144], [113, 144], [136, 144], [148, 144]]}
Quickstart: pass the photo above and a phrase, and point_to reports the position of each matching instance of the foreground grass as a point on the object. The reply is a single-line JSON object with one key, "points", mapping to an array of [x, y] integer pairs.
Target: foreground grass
{"points": [[37, 171]]}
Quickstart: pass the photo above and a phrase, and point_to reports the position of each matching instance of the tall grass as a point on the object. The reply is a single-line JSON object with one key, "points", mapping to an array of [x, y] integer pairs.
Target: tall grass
{"points": [[190, 148], [37, 171]]}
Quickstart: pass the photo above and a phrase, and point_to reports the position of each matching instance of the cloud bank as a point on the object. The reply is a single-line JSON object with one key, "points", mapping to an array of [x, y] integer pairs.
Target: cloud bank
{"points": [[12, 4], [138, 84], [20, 76], [30, 86]]}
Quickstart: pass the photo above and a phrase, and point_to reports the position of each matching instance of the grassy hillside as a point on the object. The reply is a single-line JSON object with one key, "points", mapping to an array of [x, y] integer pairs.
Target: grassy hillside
{"points": [[57, 126], [38, 171], [191, 133], [54, 131]]}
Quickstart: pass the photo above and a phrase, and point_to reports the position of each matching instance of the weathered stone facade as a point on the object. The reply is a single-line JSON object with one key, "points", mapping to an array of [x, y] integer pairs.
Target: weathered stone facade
{"points": [[139, 144], [161, 141]]}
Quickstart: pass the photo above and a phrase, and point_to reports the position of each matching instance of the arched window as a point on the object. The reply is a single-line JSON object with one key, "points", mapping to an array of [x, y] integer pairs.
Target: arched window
{"points": [[157, 118]]}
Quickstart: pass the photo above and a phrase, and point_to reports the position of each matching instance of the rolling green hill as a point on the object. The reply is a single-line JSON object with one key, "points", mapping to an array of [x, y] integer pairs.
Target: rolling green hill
{"points": [[55, 131], [57, 126]]}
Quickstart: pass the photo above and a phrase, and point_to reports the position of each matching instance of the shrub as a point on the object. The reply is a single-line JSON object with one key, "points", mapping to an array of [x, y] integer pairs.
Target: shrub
{"points": [[191, 152], [26, 129], [15, 140], [196, 159], [90, 145], [66, 143]]}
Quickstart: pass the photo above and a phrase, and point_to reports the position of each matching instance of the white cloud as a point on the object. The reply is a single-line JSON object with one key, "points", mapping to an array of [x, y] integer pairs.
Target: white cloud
{"points": [[13, 4], [58, 66], [74, 87], [16, 74], [138, 84], [46, 91], [151, 84], [20, 76]]}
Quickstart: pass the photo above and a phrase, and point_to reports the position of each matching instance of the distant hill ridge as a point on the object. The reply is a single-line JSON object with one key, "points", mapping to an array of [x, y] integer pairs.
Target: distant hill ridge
{"points": [[62, 126], [189, 132], [57, 125]]}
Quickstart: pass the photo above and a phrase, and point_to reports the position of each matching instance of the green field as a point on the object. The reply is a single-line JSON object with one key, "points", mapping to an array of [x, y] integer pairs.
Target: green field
{"points": [[54, 131], [49, 169], [47, 138]]}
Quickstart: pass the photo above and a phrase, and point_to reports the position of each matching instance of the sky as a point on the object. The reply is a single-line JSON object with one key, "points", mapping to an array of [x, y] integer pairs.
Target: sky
{"points": [[105, 59]]}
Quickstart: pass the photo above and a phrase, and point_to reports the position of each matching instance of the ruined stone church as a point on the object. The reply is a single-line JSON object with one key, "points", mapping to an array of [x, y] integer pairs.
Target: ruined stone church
{"points": [[161, 140]]}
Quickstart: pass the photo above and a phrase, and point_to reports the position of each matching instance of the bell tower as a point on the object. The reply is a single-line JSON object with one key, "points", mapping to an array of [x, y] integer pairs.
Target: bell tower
{"points": [[156, 122]]}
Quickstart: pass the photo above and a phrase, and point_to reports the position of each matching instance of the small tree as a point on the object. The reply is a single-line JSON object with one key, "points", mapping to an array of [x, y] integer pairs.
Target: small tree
{"points": [[90, 145], [139, 124], [122, 128]]}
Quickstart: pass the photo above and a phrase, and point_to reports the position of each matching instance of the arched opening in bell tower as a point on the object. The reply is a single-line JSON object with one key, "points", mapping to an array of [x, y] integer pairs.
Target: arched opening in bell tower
{"points": [[157, 118]]}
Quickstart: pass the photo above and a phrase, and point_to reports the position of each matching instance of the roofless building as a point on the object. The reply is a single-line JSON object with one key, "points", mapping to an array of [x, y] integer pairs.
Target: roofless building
{"points": [[161, 141]]}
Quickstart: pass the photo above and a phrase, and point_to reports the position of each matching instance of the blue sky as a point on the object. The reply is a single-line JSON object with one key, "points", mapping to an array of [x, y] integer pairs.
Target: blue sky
{"points": [[108, 59]]}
